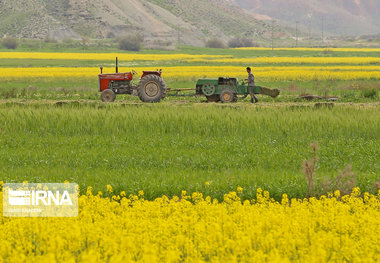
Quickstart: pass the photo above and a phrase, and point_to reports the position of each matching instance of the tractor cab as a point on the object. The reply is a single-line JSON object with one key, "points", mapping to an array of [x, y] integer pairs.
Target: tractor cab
{"points": [[157, 73]]}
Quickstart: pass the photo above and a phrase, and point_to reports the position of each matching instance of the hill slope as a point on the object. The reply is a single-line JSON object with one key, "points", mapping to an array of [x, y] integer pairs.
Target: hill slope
{"points": [[341, 17], [194, 22]]}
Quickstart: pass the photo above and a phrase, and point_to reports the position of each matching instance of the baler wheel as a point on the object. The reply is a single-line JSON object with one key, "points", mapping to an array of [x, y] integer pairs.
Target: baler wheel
{"points": [[208, 89], [227, 96], [213, 98], [152, 88], [108, 95]]}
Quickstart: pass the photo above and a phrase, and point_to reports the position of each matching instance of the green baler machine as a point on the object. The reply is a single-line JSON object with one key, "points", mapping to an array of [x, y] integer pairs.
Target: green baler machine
{"points": [[229, 89]]}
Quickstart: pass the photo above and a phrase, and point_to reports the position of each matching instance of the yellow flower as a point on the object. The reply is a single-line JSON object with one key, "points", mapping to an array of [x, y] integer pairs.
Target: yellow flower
{"points": [[271, 73], [356, 191], [171, 230], [285, 200], [89, 190], [109, 188], [239, 189]]}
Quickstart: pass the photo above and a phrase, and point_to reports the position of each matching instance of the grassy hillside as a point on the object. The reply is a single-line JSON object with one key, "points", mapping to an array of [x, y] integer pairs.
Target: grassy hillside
{"points": [[215, 18]]}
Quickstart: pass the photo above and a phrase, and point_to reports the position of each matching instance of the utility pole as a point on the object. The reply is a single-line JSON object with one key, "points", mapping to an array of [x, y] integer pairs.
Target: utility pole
{"points": [[310, 32], [178, 35], [323, 30], [296, 33], [310, 15], [272, 38]]}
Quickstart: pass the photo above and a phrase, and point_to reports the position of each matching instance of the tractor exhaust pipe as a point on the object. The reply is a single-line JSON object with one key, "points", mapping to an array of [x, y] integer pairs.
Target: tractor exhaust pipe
{"points": [[117, 66]]}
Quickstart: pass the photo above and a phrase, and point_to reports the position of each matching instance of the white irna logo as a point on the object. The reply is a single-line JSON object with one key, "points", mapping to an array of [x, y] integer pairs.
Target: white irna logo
{"points": [[39, 198]]}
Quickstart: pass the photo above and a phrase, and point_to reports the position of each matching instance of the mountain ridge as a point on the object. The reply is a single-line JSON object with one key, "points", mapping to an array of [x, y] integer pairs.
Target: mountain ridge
{"points": [[340, 17], [166, 19], [186, 21]]}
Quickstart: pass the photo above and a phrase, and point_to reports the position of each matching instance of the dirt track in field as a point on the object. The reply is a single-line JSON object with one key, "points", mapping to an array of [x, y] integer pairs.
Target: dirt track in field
{"points": [[245, 104]]}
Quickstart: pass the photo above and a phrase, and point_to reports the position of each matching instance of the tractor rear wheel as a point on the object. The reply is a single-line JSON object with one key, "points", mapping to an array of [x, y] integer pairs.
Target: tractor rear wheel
{"points": [[152, 88], [108, 95], [227, 96], [213, 98]]}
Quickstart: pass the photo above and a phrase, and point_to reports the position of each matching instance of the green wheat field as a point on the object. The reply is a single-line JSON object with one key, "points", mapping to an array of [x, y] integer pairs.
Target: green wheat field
{"points": [[57, 130]]}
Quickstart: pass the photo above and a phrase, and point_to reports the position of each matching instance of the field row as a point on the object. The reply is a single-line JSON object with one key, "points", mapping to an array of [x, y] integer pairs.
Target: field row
{"points": [[195, 72], [102, 56], [292, 60], [314, 49], [188, 58]]}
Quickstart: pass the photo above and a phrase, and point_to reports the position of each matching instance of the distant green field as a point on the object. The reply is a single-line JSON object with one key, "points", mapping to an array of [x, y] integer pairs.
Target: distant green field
{"points": [[111, 47], [169, 147], [86, 87]]}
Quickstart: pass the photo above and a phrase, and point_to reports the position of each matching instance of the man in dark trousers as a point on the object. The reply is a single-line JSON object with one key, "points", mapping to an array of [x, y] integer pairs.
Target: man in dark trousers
{"points": [[251, 85]]}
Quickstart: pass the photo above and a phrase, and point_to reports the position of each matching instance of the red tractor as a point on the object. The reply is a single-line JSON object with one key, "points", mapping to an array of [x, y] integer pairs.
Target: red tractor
{"points": [[151, 88]]}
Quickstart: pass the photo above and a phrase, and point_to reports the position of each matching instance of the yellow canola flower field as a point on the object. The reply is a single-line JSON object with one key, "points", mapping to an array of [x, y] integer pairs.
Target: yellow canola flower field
{"points": [[198, 229], [293, 60], [188, 58], [195, 72], [313, 49], [101, 56]]}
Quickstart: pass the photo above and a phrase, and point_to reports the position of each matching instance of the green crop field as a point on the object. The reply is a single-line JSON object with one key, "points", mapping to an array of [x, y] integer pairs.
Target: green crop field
{"points": [[86, 88], [54, 129], [169, 147]]}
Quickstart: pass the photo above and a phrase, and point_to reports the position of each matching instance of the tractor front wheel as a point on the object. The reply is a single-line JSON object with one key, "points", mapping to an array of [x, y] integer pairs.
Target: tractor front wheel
{"points": [[227, 96], [108, 95], [152, 88]]}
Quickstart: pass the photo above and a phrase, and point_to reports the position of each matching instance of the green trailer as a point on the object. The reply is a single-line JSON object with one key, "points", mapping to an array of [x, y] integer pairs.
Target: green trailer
{"points": [[229, 89]]}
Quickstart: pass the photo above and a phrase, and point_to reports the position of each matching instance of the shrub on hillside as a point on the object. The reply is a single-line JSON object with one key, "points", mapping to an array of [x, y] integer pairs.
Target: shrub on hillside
{"points": [[130, 43], [215, 43], [67, 40], [49, 39], [241, 42], [10, 42]]}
